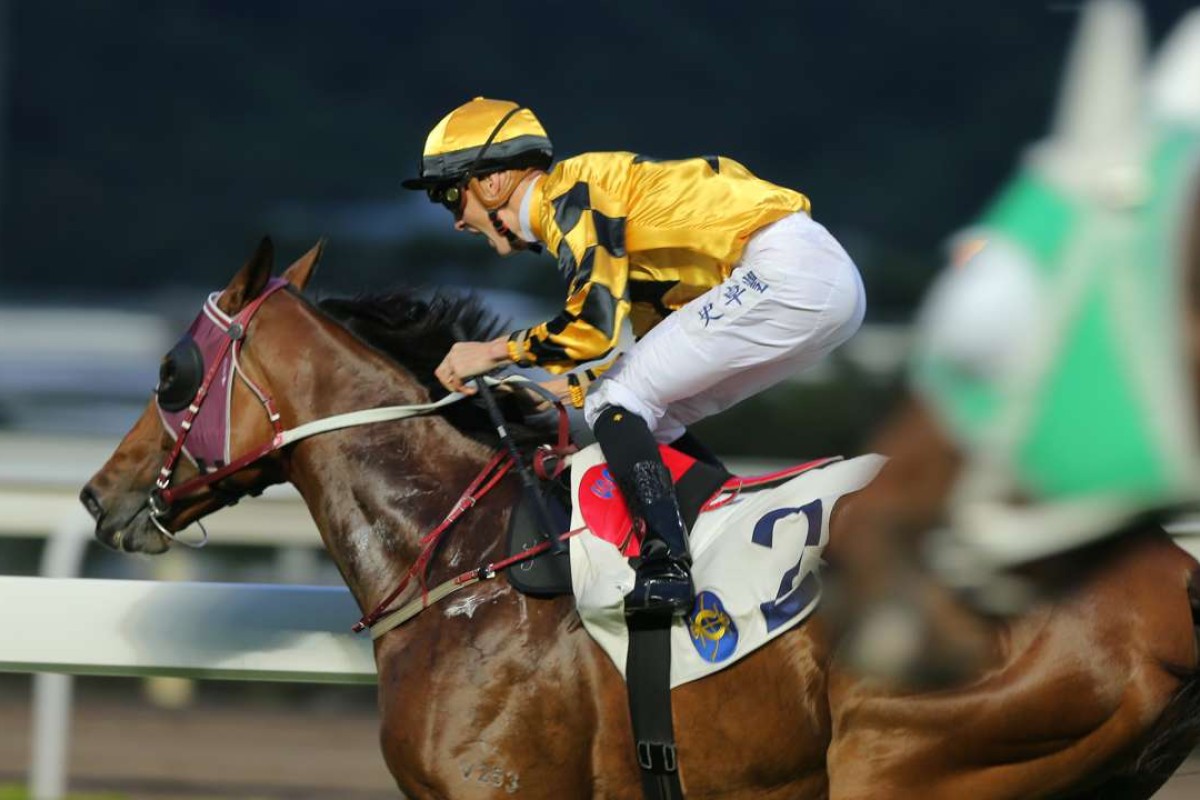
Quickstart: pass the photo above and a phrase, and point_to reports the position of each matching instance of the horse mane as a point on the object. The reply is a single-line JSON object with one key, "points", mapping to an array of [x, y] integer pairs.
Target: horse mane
{"points": [[417, 331], [1177, 731]]}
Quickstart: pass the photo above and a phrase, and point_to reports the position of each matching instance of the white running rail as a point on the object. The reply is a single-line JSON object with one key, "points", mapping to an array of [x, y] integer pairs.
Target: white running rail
{"points": [[221, 631], [40, 480]]}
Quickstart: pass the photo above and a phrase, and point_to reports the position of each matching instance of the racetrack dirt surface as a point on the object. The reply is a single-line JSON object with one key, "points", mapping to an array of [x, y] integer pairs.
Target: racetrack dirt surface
{"points": [[236, 741], [251, 742]]}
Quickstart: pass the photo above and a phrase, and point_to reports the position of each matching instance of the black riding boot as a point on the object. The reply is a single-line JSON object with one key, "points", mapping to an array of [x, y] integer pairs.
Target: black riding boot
{"points": [[664, 579]]}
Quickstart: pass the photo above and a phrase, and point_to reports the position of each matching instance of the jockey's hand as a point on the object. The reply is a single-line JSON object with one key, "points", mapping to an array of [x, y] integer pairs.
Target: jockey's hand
{"points": [[468, 359]]}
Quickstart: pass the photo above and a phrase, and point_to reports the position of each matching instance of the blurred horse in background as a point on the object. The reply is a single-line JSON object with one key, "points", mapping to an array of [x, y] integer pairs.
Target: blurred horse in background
{"points": [[1133, 174]]}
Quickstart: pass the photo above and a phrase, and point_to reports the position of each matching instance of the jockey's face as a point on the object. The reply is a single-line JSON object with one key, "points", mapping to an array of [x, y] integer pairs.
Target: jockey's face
{"points": [[475, 220]]}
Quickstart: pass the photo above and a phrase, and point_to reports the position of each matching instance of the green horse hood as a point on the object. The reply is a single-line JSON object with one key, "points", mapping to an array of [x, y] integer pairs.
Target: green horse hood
{"points": [[1053, 353]]}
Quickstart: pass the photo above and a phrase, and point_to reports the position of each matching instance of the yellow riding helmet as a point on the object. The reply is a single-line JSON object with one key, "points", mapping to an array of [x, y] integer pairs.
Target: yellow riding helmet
{"points": [[479, 137]]}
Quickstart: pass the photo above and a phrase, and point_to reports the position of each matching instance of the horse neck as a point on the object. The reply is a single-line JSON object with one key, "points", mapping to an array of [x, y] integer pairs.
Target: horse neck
{"points": [[375, 490]]}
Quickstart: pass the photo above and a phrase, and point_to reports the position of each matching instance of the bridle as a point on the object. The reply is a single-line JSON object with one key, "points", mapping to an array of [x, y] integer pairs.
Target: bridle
{"points": [[220, 339]]}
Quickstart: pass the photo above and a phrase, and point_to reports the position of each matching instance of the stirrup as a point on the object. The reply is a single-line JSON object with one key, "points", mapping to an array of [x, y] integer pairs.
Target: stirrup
{"points": [[663, 588]]}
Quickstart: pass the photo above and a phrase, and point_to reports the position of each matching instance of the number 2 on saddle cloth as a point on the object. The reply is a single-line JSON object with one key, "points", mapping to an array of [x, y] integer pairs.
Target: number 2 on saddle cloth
{"points": [[699, 486]]}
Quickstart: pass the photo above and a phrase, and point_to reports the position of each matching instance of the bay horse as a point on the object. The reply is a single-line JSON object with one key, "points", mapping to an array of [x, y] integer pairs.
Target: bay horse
{"points": [[1095, 694]]}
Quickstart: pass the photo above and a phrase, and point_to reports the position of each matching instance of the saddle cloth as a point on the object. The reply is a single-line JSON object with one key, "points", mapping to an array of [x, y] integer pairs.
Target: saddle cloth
{"points": [[755, 564]]}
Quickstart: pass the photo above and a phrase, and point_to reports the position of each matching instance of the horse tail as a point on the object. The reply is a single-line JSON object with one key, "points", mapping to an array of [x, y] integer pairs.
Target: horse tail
{"points": [[1177, 731]]}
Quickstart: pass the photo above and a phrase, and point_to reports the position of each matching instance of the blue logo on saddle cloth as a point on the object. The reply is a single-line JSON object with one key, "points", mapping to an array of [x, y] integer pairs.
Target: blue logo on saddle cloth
{"points": [[713, 633]]}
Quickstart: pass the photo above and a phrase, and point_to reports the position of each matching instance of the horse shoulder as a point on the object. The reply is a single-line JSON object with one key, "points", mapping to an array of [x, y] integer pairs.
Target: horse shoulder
{"points": [[492, 685]]}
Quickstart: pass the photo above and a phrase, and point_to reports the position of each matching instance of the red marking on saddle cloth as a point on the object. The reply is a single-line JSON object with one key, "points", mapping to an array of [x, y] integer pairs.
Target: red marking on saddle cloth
{"points": [[607, 516], [603, 506]]}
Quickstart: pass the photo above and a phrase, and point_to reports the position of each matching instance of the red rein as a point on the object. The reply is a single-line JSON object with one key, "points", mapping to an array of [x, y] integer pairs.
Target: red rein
{"points": [[485, 481], [496, 468]]}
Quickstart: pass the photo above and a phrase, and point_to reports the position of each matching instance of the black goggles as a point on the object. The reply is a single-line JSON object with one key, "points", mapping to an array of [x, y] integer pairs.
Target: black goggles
{"points": [[450, 196]]}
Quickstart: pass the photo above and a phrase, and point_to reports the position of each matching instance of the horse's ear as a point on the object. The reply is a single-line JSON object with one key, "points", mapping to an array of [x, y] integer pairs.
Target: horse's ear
{"points": [[250, 280], [299, 273]]}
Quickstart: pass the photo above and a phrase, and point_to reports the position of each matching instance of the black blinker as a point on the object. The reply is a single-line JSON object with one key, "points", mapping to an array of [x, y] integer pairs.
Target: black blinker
{"points": [[180, 375]]}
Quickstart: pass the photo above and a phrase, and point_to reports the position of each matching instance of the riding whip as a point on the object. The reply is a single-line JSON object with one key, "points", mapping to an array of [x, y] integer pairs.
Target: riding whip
{"points": [[527, 480]]}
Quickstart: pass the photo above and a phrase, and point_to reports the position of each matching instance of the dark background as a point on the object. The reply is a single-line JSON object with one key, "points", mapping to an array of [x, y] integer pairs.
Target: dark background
{"points": [[152, 143], [147, 146]]}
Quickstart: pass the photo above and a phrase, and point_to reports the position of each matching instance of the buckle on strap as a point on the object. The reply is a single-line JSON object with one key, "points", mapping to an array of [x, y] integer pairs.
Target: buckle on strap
{"points": [[657, 756]]}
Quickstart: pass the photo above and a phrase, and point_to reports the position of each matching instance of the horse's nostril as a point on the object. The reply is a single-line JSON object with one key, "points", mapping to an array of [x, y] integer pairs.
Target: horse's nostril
{"points": [[91, 503]]}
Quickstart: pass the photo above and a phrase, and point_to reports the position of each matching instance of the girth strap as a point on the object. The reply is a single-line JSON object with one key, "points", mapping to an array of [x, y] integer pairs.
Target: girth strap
{"points": [[648, 678]]}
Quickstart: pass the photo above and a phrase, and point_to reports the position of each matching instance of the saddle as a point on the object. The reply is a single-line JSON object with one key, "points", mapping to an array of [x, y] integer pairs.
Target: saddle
{"points": [[607, 517]]}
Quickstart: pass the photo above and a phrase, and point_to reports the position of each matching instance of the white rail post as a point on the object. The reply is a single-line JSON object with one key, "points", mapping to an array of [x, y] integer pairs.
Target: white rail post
{"points": [[163, 691], [52, 694]]}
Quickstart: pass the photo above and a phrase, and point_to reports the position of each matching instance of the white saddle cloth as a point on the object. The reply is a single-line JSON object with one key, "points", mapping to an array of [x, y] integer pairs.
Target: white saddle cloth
{"points": [[754, 562]]}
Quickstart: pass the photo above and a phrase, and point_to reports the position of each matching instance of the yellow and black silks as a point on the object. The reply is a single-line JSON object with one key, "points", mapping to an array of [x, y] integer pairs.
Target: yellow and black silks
{"points": [[639, 237]]}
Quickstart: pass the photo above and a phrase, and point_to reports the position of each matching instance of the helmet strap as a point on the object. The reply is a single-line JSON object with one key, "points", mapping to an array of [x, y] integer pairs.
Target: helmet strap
{"points": [[509, 179], [516, 242], [493, 201], [508, 182]]}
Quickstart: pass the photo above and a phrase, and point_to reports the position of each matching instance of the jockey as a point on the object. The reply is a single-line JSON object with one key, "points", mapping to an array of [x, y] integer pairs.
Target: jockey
{"points": [[728, 283]]}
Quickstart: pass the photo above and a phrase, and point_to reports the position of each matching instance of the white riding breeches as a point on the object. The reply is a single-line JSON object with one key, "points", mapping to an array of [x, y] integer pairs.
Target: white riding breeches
{"points": [[794, 296]]}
